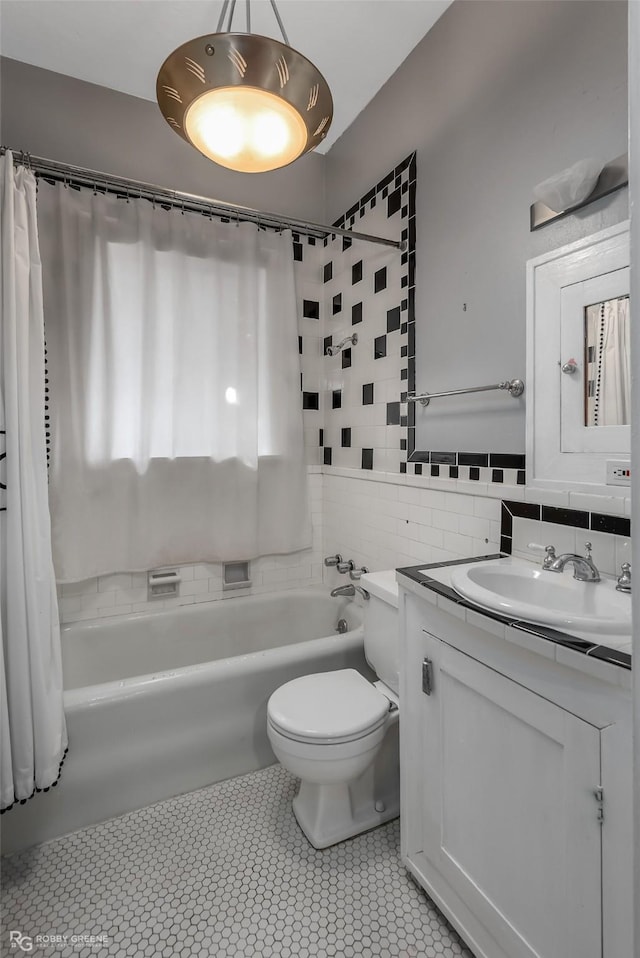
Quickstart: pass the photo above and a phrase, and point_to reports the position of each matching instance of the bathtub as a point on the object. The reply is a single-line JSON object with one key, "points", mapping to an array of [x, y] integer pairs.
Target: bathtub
{"points": [[158, 704]]}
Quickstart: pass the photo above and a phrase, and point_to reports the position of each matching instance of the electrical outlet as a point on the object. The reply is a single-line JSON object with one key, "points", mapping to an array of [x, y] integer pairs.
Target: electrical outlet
{"points": [[618, 472]]}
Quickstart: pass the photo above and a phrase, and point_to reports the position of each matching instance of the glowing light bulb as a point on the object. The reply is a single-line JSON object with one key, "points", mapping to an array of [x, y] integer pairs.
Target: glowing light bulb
{"points": [[245, 128], [231, 395], [269, 133]]}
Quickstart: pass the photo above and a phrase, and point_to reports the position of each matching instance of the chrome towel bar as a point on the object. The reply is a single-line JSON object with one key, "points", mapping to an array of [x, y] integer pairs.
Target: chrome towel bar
{"points": [[515, 388]]}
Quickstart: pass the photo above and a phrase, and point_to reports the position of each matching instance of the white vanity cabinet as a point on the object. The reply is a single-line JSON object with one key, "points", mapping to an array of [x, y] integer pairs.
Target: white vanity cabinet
{"points": [[516, 785]]}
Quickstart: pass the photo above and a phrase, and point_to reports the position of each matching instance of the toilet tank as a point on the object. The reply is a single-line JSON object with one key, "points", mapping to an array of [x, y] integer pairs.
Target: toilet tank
{"points": [[381, 626]]}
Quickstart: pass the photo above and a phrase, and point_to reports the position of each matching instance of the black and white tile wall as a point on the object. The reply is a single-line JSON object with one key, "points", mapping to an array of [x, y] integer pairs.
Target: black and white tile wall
{"points": [[358, 399], [367, 290]]}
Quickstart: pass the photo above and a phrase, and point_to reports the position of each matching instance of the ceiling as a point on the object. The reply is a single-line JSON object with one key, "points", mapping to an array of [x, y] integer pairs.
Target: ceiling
{"points": [[356, 44]]}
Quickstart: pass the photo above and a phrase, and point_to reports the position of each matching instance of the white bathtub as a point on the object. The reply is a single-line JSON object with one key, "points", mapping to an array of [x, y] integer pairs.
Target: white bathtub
{"points": [[162, 703]]}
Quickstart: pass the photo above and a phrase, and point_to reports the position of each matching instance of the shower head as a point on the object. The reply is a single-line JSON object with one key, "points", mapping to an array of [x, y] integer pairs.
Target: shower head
{"points": [[334, 350]]}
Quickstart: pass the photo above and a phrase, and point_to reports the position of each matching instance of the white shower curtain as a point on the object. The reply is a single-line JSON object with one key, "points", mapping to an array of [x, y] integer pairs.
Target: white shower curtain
{"points": [[176, 416], [34, 735]]}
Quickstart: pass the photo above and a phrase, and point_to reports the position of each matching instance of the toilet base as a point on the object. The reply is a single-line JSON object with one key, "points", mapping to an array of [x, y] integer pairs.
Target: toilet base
{"points": [[331, 813], [325, 817]]}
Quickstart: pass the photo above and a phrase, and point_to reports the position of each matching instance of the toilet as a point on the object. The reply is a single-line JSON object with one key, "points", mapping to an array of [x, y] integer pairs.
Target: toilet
{"points": [[338, 732]]}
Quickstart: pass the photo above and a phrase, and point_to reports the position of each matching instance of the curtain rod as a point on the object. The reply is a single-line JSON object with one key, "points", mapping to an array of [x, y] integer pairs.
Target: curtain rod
{"points": [[122, 186]]}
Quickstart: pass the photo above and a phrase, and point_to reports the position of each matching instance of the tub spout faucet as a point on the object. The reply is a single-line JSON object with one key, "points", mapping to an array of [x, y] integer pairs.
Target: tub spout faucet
{"points": [[583, 567], [346, 590], [349, 590]]}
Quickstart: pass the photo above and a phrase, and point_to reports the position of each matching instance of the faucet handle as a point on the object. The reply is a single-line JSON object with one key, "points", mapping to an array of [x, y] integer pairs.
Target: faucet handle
{"points": [[346, 566], [333, 560], [624, 579], [356, 574]]}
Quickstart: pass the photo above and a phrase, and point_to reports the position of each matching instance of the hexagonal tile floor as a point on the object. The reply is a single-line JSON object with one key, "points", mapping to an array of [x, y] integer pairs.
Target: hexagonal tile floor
{"points": [[225, 872]]}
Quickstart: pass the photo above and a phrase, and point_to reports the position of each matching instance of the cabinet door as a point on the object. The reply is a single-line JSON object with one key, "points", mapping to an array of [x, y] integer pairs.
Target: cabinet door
{"points": [[508, 812]]}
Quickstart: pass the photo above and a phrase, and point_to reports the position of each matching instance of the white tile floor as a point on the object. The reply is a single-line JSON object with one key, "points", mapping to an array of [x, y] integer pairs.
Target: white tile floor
{"points": [[224, 872]]}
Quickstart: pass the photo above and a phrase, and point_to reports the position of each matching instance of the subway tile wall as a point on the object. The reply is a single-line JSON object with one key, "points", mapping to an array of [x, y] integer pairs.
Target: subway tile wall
{"points": [[124, 593]]}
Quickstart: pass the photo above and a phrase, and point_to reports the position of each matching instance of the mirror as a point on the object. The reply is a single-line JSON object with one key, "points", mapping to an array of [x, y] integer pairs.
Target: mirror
{"points": [[578, 409], [607, 363]]}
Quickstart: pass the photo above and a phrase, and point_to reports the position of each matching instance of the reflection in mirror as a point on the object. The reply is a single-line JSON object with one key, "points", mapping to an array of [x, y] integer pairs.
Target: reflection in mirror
{"points": [[607, 362]]}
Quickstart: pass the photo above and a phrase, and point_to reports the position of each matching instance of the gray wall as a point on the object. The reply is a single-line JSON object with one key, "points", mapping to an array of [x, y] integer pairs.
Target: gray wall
{"points": [[65, 119], [498, 96]]}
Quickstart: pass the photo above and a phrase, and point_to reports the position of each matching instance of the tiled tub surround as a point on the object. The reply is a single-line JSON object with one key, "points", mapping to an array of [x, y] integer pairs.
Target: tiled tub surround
{"points": [[126, 593], [611, 665], [157, 705]]}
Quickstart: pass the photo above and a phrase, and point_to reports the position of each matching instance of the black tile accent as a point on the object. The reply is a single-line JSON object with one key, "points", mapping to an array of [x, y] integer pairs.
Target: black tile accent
{"points": [[327, 272], [500, 460], [367, 394], [473, 459], [403, 444], [505, 544], [403, 351], [337, 303], [300, 344], [404, 374], [444, 458], [403, 467], [336, 399], [506, 520], [380, 347], [523, 510], [346, 243], [297, 252], [345, 439], [356, 313], [404, 282], [497, 475], [394, 202], [616, 525], [393, 319], [356, 272], [421, 456], [393, 414], [418, 469], [367, 458], [614, 656], [380, 280], [310, 400], [474, 473], [435, 470], [565, 517], [453, 472], [346, 358], [521, 478], [311, 309], [327, 455], [321, 437], [328, 341]]}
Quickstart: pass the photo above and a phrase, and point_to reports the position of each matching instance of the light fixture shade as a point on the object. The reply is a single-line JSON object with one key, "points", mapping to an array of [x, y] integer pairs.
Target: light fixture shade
{"points": [[248, 102]]}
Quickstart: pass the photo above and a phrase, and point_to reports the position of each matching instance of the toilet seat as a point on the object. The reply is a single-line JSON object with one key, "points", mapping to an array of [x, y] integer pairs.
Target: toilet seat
{"points": [[327, 708]]}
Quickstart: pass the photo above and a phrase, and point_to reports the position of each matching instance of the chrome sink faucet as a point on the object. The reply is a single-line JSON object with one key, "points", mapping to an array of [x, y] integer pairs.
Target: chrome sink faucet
{"points": [[583, 566]]}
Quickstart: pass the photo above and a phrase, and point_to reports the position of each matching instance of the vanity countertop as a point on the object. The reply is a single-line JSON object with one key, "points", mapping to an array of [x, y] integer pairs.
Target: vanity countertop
{"points": [[432, 582]]}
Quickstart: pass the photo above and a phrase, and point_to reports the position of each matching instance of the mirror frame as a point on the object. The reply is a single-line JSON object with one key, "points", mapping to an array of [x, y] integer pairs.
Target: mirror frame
{"points": [[548, 467]]}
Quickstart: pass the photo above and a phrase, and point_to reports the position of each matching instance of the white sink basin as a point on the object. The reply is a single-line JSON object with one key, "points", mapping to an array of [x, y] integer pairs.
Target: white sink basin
{"points": [[517, 588]]}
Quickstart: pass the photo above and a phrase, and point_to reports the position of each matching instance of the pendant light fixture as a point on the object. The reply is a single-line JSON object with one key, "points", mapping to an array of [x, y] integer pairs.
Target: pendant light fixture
{"points": [[248, 102]]}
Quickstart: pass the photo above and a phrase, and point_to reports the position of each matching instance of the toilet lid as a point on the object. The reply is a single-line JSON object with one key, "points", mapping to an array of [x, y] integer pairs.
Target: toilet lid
{"points": [[338, 705]]}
